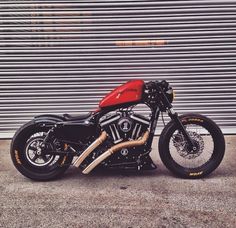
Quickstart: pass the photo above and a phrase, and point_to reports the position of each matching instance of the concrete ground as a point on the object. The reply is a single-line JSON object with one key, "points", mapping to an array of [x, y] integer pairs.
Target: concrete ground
{"points": [[150, 199]]}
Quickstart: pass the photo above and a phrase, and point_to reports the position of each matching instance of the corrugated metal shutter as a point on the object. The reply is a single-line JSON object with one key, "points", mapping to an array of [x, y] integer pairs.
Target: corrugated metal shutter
{"points": [[60, 56]]}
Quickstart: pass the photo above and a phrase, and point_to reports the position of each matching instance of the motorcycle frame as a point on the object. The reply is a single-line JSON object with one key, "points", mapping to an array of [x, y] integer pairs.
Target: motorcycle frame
{"points": [[155, 107]]}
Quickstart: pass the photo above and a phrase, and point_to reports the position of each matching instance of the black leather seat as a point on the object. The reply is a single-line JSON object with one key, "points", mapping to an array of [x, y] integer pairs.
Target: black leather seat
{"points": [[77, 117]]}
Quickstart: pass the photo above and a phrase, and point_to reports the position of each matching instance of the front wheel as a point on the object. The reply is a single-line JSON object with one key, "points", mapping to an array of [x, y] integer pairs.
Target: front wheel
{"points": [[208, 141]]}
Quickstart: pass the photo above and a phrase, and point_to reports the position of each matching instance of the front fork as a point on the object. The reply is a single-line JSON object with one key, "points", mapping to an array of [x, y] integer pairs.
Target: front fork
{"points": [[174, 116]]}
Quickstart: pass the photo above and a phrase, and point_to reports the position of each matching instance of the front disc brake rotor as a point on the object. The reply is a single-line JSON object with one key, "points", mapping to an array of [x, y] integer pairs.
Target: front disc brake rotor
{"points": [[182, 147]]}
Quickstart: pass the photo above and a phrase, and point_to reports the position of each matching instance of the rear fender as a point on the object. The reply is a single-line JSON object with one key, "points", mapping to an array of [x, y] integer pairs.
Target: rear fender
{"points": [[43, 121]]}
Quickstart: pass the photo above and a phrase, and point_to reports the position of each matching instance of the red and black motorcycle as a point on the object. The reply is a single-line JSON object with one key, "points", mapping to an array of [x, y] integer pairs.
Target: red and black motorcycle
{"points": [[117, 137]]}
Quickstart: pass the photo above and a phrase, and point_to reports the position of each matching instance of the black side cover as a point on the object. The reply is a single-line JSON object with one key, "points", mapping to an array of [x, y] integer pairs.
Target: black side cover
{"points": [[69, 129]]}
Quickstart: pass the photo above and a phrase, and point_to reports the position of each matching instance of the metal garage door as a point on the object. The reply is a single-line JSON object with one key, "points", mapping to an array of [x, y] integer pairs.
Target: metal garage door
{"points": [[60, 56]]}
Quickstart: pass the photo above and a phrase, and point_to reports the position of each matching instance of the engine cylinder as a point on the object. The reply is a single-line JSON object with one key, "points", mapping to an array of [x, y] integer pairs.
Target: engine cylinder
{"points": [[124, 126]]}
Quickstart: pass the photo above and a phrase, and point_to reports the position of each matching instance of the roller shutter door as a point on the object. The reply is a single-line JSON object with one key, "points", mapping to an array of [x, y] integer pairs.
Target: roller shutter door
{"points": [[60, 56]]}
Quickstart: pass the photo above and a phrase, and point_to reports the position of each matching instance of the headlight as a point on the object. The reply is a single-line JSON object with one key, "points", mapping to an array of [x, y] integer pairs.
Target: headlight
{"points": [[170, 94], [174, 94]]}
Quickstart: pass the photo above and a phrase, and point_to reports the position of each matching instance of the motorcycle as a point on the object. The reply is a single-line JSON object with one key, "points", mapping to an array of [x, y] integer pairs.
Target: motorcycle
{"points": [[115, 136]]}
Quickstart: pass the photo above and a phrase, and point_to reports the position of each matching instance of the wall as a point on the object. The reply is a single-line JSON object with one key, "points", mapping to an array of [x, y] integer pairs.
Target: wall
{"points": [[60, 56]]}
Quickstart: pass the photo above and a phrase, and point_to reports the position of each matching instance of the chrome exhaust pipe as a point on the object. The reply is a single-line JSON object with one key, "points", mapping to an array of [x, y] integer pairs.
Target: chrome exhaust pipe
{"points": [[90, 149], [114, 149]]}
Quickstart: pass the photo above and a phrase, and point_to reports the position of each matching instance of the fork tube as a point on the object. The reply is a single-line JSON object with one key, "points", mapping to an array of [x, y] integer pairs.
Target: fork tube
{"points": [[174, 116]]}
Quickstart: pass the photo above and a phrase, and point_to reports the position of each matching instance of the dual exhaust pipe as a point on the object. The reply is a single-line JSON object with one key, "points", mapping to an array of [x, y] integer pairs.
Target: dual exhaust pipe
{"points": [[140, 141]]}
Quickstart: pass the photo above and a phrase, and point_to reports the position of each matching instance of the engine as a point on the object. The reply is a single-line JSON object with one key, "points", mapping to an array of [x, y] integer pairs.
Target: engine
{"points": [[124, 126]]}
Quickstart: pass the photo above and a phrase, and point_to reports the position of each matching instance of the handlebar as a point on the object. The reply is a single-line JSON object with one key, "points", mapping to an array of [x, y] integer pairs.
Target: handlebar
{"points": [[155, 84], [141, 43]]}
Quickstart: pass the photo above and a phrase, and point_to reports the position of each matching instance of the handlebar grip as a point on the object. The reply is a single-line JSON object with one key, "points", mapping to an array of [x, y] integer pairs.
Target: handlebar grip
{"points": [[141, 43]]}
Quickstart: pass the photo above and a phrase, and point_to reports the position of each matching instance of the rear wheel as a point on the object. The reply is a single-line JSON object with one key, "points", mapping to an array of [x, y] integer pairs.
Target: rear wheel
{"points": [[208, 141], [30, 157]]}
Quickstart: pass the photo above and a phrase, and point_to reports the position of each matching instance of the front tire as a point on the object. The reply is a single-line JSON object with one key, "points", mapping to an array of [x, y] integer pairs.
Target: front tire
{"points": [[208, 139], [25, 154]]}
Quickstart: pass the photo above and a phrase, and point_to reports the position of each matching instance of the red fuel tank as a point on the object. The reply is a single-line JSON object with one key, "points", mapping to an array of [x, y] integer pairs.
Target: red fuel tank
{"points": [[127, 93]]}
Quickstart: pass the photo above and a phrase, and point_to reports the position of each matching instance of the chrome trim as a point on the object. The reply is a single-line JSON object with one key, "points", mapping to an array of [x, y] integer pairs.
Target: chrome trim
{"points": [[112, 132], [133, 133], [109, 121], [117, 132], [139, 129], [139, 119]]}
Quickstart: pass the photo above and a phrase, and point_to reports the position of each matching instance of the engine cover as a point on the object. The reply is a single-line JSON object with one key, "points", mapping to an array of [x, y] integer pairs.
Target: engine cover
{"points": [[124, 126]]}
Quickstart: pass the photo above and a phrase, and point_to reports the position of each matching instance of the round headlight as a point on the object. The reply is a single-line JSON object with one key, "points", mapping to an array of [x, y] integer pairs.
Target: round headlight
{"points": [[174, 94], [170, 95]]}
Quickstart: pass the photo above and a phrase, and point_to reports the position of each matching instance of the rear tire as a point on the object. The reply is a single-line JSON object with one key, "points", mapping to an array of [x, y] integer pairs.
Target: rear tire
{"points": [[24, 161], [185, 168]]}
